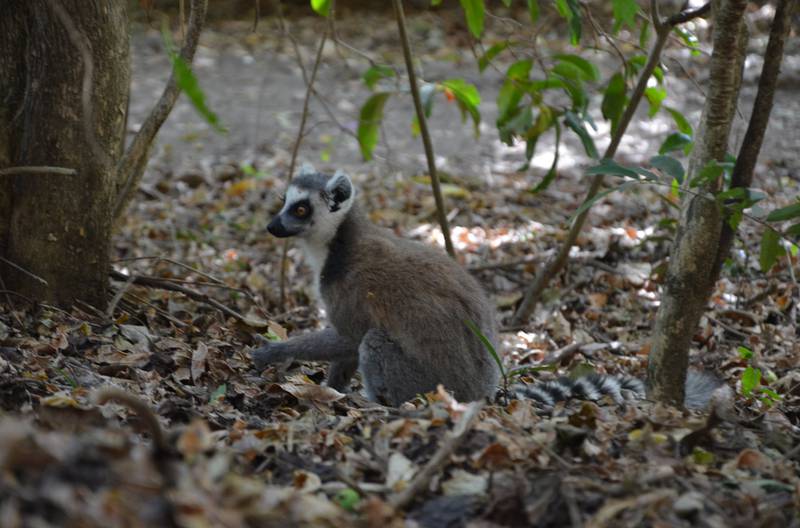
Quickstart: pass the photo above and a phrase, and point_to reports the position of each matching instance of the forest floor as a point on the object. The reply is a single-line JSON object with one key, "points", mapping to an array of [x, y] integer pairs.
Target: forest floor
{"points": [[275, 448]]}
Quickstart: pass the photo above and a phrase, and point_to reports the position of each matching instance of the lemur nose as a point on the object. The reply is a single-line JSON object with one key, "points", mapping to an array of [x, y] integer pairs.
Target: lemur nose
{"points": [[276, 228]]}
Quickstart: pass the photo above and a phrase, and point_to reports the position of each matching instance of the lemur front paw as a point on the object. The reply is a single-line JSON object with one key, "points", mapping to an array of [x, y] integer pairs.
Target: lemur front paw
{"points": [[269, 353]]}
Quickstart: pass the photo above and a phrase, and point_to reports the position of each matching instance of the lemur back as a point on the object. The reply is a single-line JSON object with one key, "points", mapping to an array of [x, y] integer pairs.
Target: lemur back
{"points": [[398, 308]]}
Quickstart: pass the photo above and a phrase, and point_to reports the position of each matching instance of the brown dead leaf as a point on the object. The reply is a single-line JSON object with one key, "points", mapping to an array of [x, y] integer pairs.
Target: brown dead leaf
{"points": [[311, 392], [199, 361]]}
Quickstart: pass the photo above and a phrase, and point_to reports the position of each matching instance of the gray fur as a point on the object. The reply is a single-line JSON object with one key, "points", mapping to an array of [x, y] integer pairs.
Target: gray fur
{"points": [[699, 388], [398, 308]]}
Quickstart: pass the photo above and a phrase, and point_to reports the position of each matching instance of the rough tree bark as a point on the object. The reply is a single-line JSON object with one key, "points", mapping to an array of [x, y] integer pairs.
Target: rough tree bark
{"points": [[55, 230], [64, 83], [691, 273]]}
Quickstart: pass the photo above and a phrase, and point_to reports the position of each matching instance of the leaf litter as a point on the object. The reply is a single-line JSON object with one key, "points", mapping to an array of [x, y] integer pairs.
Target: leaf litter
{"points": [[276, 448]]}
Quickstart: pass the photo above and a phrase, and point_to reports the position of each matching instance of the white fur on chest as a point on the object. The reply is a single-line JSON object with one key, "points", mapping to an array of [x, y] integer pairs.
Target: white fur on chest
{"points": [[315, 254]]}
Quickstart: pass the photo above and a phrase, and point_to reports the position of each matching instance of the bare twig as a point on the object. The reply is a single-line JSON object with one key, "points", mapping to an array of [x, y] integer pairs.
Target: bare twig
{"points": [[548, 271], [117, 296], [505, 264], [296, 148], [423, 128], [160, 311], [43, 169], [143, 411], [26, 272], [132, 164], [156, 282], [176, 263], [439, 459]]}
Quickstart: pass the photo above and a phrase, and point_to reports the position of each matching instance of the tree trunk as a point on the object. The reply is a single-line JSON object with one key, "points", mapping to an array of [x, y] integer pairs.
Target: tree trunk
{"points": [[55, 230], [691, 273]]}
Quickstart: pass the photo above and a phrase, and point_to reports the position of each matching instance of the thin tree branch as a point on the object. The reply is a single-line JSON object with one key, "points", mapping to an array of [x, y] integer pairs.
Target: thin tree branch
{"points": [[25, 271], [549, 270], [423, 128], [156, 282], [296, 149], [132, 164], [440, 458], [744, 168], [41, 169]]}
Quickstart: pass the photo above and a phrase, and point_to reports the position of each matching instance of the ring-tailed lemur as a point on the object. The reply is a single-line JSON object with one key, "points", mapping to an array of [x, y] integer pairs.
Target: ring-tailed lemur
{"points": [[399, 309]]}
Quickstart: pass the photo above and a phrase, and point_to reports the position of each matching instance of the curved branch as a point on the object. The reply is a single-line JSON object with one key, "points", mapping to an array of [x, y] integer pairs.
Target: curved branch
{"points": [[132, 164], [549, 270]]}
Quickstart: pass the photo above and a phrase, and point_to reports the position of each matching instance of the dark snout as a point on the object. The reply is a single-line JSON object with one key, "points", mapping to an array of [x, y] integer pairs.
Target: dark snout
{"points": [[277, 228]]}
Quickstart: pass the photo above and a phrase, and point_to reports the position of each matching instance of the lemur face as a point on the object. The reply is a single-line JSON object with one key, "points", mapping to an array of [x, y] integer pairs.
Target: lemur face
{"points": [[315, 205]]}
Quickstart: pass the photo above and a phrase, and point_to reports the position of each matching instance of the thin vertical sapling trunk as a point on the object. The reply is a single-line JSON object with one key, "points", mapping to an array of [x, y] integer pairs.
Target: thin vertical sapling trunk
{"points": [[691, 272], [441, 214]]}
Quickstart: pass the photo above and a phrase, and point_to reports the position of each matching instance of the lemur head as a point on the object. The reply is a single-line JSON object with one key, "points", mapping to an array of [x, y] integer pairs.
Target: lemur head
{"points": [[315, 205]]}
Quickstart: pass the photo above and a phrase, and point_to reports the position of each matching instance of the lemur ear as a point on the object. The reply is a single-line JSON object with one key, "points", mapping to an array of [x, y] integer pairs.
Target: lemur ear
{"points": [[338, 190], [307, 169]]}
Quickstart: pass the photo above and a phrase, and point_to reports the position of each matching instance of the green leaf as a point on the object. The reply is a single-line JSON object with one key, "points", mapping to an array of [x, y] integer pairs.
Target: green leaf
{"points": [[510, 94], [474, 10], [669, 166], [707, 174], [689, 39], [588, 71], [770, 249], [348, 498], [655, 96], [218, 393], [680, 121], [369, 123], [322, 7], [612, 168], [571, 12], [751, 377], [467, 97], [463, 91], [745, 353], [186, 81], [576, 124], [793, 231], [597, 197], [614, 100], [624, 13], [771, 395], [487, 345], [675, 141], [553, 172], [574, 88], [435, 3], [644, 34], [376, 73], [784, 213], [491, 53], [533, 10]]}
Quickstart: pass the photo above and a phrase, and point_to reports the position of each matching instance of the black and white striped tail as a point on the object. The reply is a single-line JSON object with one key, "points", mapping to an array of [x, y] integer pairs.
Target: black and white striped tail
{"points": [[592, 387]]}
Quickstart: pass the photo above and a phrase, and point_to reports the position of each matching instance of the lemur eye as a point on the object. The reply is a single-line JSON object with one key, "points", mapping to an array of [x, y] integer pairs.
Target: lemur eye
{"points": [[301, 211]]}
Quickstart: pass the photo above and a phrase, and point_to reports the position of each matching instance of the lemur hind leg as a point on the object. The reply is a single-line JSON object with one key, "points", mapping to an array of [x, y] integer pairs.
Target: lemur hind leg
{"points": [[340, 373], [389, 375]]}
